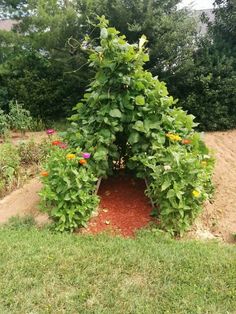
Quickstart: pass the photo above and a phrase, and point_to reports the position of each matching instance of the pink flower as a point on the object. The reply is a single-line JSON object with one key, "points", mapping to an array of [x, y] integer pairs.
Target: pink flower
{"points": [[50, 131], [62, 145], [86, 155]]}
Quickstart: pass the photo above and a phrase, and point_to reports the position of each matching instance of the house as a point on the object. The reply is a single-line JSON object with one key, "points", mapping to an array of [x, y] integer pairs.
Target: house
{"points": [[7, 25]]}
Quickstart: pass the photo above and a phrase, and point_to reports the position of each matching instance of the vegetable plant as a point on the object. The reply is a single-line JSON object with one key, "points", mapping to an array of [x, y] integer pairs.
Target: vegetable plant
{"points": [[127, 116], [19, 118]]}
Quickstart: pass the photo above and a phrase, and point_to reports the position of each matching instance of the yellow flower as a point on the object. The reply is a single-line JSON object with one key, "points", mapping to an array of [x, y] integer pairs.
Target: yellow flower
{"points": [[173, 137], [70, 156], [196, 193], [204, 163]]}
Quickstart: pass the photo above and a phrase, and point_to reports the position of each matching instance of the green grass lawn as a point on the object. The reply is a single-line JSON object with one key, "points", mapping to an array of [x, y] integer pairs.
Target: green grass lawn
{"points": [[42, 272]]}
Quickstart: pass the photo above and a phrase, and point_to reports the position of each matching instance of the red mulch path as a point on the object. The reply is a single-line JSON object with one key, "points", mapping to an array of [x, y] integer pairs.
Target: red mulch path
{"points": [[123, 208]]}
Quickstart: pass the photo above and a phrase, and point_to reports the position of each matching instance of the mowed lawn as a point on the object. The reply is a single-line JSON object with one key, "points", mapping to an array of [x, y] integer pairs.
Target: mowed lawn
{"points": [[44, 272]]}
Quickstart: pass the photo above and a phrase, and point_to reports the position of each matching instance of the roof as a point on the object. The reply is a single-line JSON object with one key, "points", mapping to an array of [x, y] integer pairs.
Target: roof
{"points": [[7, 25]]}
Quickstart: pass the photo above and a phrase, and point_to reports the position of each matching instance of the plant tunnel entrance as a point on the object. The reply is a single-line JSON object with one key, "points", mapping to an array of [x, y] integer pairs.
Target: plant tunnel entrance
{"points": [[124, 207]]}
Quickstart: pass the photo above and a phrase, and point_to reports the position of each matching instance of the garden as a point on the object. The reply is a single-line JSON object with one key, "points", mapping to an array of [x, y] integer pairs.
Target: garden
{"points": [[114, 194]]}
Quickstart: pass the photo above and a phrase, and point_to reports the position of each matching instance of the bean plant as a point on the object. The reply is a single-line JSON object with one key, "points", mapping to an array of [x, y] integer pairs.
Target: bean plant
{"points": [[127, 116]]}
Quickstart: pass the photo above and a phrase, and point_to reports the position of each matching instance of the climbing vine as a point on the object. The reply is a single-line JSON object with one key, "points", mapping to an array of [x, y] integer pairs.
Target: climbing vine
{"points": [[127, 117]]}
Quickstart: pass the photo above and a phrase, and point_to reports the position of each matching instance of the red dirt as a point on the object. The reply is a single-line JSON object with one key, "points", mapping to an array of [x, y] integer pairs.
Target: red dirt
{"points": [[123, 208]]}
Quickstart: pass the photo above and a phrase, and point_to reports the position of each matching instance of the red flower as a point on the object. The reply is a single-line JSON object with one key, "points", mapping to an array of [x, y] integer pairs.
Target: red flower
{"points": [[56, 143]]}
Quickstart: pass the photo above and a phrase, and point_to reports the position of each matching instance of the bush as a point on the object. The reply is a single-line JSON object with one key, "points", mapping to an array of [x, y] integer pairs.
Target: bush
{"points": [[209, 91], [68, 192], [179, 181]]}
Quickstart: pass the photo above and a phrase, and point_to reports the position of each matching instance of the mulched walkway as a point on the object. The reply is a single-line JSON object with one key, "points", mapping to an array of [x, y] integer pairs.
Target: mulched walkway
{"points": [[123, 208]]}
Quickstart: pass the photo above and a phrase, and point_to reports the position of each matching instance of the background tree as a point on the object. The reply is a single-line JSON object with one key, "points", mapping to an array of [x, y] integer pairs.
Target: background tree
{"points": [[208, 90], [44, 64], [53, 31]]}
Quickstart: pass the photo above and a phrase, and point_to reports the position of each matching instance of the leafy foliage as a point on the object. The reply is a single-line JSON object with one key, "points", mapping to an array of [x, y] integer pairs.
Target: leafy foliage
{"points": [[68, 192], [19, 118], [126, 116], [209, 86], [46, 68]]}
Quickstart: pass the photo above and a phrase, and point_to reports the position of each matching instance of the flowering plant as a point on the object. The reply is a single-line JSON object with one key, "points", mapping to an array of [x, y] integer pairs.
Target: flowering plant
{"points": [[68, 191]]}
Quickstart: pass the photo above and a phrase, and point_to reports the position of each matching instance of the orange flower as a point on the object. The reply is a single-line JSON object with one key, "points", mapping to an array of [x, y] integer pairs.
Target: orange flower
{"points": [[186, 141], [70, 156], [83, 162], [44, 174], [56, 143]]}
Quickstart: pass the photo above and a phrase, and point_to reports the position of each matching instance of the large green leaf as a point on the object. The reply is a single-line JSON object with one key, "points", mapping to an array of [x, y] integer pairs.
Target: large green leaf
{"points": [[115, 113], [139, 126], [104, 33], [133, 138], [140, 100]]}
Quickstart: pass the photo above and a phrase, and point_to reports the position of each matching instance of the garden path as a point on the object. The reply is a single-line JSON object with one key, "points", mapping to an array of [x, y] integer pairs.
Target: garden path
{"points": [[21, 202]]}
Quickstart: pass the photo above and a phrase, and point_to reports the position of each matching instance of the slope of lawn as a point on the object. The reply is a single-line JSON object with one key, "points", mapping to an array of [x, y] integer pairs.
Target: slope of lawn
{"points": [[44, 272]]}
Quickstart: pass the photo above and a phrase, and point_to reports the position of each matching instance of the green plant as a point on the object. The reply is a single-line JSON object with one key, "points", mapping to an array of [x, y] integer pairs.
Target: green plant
{"points": [[4, 125], [127, 117], [68, 192], [179, 182], [37, 125], [18, 223], [19, 118], [9, 167]]}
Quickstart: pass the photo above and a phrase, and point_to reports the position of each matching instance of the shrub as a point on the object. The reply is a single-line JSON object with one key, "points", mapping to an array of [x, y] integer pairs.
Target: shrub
{"points": [[68, 193], [179, 181]]}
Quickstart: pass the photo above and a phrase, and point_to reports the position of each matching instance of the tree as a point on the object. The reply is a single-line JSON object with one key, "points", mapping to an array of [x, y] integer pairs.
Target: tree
{"points": [[209, 88], [45, 72], [55, 29]]}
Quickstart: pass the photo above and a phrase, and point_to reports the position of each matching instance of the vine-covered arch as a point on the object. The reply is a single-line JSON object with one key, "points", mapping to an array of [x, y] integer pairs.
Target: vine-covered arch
{"points": [[127, 114]]}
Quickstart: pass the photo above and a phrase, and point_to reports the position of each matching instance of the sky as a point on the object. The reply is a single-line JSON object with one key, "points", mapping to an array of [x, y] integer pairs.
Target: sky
{"points": [[198, 4]]}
